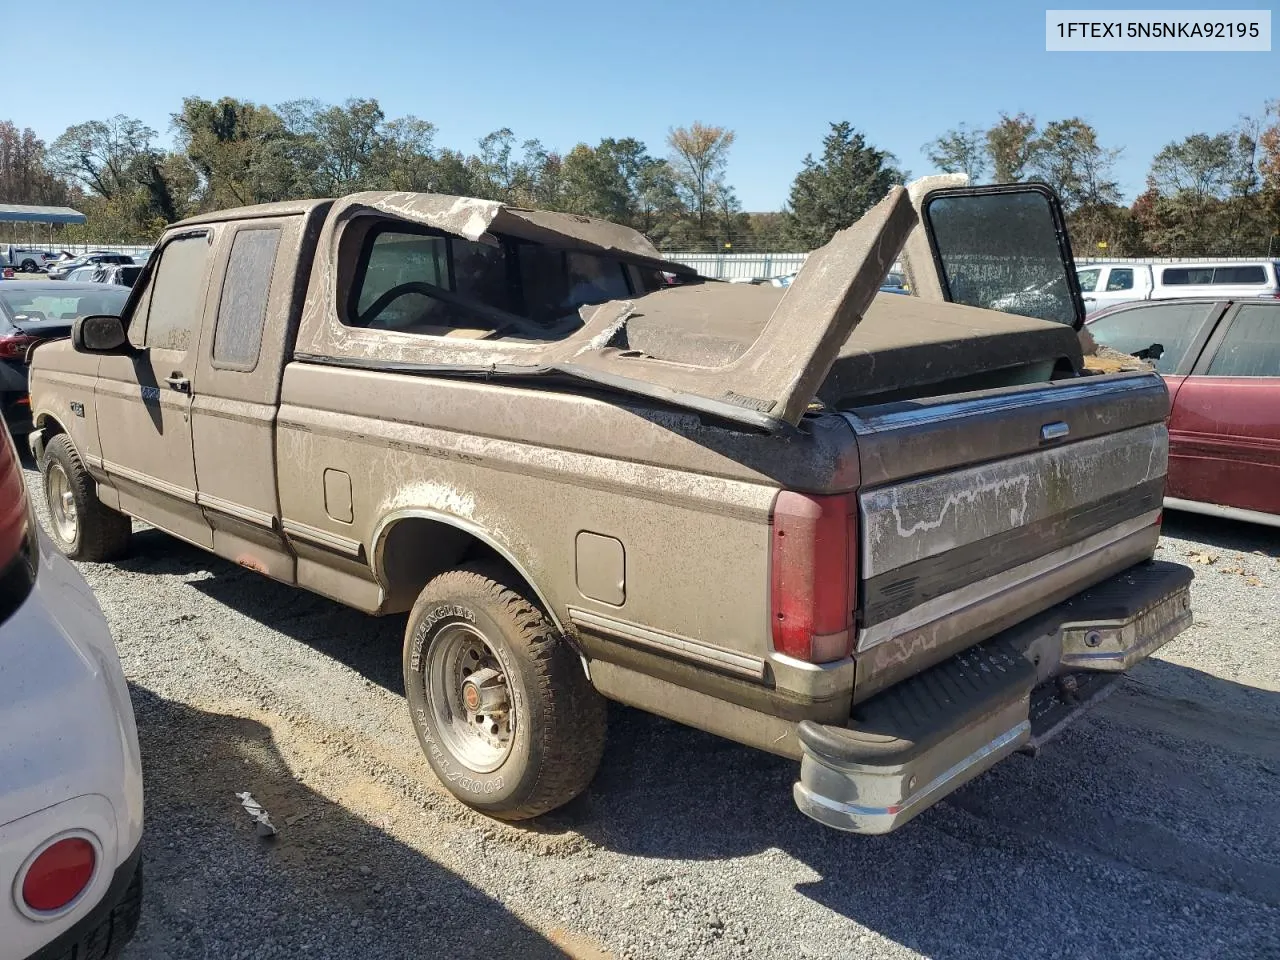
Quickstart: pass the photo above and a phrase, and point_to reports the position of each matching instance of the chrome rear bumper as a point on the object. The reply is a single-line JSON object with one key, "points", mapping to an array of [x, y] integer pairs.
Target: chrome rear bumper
{"points": [[908, 747]]}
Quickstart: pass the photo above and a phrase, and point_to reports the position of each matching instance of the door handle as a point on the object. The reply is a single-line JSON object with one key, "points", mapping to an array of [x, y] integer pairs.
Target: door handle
{"points": [[178, 382]]}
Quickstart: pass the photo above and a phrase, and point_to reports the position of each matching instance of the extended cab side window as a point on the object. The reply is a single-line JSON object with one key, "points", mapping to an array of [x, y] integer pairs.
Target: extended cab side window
{"points": [[1251, 347], [1088, 279], [242, 309], [171, 314]]}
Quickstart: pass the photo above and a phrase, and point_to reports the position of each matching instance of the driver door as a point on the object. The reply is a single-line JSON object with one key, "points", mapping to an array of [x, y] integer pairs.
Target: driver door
{"points": [[143, 399]]}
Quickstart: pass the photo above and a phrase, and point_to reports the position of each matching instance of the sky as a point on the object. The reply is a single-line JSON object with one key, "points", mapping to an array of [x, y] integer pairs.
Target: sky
{"points": [[566, 71]]}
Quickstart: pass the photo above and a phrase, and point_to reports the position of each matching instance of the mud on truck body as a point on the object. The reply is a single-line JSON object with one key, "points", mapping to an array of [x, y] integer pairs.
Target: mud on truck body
{"points": [[894, 538]]}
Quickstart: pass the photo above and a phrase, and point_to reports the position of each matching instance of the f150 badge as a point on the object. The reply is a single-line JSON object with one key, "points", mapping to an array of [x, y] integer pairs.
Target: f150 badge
{"points": [[77, 408]]}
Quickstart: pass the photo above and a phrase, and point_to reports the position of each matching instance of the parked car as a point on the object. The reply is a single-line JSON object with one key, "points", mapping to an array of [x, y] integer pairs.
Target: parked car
{"points": [[70, 774], [59, 270], [895, 283], [31, 313], [23, 259], [82, 274], [892, 538], [1221, 359], [120, 274], [1107, 284]]}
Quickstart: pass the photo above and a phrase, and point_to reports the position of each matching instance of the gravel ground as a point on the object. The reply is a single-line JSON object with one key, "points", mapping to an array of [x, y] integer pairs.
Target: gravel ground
{"points": [[1150, 828]]}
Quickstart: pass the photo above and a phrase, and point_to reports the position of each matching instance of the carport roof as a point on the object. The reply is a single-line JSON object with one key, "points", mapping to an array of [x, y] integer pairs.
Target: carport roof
{"points": [[22, 213]]}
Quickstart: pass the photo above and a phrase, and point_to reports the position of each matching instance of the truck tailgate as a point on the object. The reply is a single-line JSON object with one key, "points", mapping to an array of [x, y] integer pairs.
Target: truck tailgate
{"points": [[979, 510]]}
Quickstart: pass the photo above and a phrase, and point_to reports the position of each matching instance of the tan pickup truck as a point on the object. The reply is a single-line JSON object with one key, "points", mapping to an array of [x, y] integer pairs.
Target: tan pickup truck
{"points": [[896, 538]]}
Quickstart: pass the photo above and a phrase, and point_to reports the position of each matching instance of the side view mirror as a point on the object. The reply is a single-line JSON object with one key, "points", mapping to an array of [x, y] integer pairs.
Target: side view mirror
{"points": [[98, 334]]}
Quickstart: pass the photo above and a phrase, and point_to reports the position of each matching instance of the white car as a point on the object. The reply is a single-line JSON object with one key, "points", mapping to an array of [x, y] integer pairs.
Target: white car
{"points": [[70, 773]]}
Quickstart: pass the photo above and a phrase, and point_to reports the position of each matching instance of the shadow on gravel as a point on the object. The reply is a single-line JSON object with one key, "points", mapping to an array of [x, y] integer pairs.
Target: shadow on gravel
{"points": [[1147, 828], [368, 645], [1221, 533], [329, 885]]}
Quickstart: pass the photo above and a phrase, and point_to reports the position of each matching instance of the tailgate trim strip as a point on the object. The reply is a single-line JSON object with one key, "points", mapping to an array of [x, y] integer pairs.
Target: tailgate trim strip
{"points": [[896, 591], [975, 593]]}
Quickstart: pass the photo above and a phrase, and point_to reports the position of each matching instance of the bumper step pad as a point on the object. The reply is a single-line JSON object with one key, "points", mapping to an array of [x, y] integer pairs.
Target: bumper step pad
{"points": [[906, 748]]}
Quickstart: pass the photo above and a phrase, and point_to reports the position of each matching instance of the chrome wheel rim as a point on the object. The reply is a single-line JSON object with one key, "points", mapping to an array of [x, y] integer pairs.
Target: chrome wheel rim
{"points": [[62, 503], [469, 697]]}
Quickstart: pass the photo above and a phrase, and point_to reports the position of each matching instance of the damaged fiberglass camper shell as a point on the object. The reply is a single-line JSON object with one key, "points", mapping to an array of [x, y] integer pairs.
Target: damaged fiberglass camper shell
{"points": [[894, 538]]}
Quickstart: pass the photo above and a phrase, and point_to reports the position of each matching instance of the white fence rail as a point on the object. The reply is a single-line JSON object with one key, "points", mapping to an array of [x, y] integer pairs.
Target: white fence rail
{"points": [[81, 248], [741, 266], [736, 266]]}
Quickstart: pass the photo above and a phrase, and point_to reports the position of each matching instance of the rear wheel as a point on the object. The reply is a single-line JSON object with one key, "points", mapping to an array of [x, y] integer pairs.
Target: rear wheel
{"points": [[28, 266], [83, 527], [502, 707]]}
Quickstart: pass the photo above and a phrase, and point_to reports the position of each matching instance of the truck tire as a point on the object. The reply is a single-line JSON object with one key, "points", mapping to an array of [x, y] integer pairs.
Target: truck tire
{"points": [[83, 527], [502, 707], [28, 266]]}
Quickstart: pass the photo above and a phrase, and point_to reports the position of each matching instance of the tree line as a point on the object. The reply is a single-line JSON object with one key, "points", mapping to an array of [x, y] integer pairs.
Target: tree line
{"points": [[1207, 194]]}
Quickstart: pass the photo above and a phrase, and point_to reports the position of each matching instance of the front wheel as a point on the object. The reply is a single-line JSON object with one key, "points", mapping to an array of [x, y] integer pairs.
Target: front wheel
{"points": [[84, 528], [502, 707]]}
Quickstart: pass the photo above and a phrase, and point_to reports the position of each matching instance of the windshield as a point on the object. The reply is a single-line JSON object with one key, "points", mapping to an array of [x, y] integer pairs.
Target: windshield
{"points": [[39, 306]]}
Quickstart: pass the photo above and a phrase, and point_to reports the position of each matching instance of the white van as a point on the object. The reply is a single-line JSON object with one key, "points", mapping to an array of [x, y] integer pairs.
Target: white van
{"points": [[1106, 284]]}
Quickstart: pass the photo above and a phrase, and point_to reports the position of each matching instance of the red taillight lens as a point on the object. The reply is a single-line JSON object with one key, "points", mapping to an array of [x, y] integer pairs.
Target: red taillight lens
{"points": [[14, 347], [59, 874], [813, 577]]}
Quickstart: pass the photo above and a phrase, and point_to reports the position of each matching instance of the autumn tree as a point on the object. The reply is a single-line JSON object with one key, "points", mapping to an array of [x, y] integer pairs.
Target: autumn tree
{"points": [[241, 152], [699, 157], [98, 155], [961, 150], [24, 176], [1206, 194], [1068, 157], [1010, 146], [831, 193], [618, 180]]}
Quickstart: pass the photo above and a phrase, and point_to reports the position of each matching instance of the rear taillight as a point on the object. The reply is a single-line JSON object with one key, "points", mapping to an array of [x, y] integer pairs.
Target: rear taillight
{"points": [[813, 575], [59, 874], [15, 347]]}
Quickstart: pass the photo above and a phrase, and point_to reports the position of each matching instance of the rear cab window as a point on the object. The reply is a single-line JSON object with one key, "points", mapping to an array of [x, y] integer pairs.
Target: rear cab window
{"points": [[422, 282], [1175, 326]]}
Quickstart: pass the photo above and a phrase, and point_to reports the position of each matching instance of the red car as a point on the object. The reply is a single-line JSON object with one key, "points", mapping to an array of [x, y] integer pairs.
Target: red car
{"points": [[1221, 359]]}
